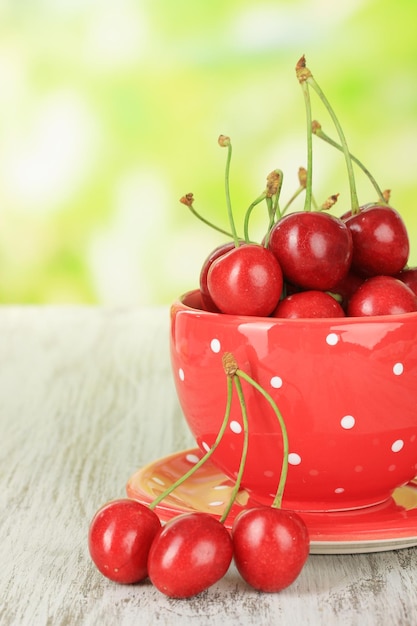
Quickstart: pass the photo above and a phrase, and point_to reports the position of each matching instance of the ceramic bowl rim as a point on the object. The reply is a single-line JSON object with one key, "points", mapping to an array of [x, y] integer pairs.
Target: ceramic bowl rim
{"points": [[331, 321]]}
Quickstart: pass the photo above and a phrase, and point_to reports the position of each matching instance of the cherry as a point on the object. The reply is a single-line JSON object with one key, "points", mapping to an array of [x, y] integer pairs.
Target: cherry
{"points": [[382, 295], [380, 240], [309, 304], [191, 553], [314, 249], [119, 539], [204, 291], [245, 281], [270, 547], [346, 287], [409, 277]]}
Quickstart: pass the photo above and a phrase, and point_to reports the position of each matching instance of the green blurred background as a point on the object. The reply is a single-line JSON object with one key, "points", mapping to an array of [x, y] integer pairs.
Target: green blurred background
{"points": [[110, 112]]}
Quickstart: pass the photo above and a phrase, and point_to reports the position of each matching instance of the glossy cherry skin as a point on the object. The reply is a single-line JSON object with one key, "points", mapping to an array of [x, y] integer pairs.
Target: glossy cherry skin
{"points": [[382, 295], [380, 240], [246, 281], [204, 291], [191, 553], [409, 277], [313, 249], [270, 546], [307, 304], [119, 539], [347, 287]]}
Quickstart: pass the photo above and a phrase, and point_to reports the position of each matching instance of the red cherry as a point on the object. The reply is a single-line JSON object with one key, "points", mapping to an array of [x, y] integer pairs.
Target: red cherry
{"points": [[309, 304], [409, 277], [313, 249], [382, 295], [380, 240], [119, 539], [246, 281], [271, 547], [215, 254], [346, 287], [191, 553]]}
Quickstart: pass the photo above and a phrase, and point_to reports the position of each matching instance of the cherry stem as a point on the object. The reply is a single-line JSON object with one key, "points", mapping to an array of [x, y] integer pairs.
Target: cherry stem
{"points": [[244, 453], [206, 456], [273, 190], [352, 186], [309, 179], [284, 468], [188, 200], [291, 200], [248, 214], [225, 142], [317, 130], [272, 194], [271, 214]]}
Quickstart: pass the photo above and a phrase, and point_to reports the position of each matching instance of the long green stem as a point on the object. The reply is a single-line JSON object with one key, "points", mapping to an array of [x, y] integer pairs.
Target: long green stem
{"points": [[244, 453], [272, 194], [226, 143], [208, 454], [317, 130], [271, 214], [275, 180], [352, 186], [291, 200], [285, 447], [248, 215], [208, 223], [270, 207], [309, 181]]}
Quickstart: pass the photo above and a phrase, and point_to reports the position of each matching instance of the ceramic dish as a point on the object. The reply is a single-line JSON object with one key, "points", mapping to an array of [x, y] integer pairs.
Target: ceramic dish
{"points": [[346, 389], [387, 526]]}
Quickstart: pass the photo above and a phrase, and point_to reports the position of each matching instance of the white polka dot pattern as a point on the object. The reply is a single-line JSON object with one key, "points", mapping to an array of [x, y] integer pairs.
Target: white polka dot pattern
{"points": [[294, 458], [398, 369], [235, 427], [397, 445], [215, 345], [192, 458], [349, 422], [332, 339]]}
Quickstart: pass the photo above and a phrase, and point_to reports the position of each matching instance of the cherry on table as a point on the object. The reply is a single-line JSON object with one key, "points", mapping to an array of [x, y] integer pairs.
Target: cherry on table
{"points": [[190, 553], [271, 546], [314, 249], [245, 281], [382, 295], [119, 539]]}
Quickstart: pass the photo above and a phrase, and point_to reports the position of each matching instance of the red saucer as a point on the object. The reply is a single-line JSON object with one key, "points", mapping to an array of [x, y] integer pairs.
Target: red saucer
{"points": [[388, 526]]}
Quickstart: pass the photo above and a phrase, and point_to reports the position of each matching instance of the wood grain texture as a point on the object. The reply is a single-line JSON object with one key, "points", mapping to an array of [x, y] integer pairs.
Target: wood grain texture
{"points": [[86, 397]]}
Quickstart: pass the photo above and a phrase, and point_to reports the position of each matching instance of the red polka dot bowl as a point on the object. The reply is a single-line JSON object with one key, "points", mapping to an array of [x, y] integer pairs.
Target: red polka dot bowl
{"points": [[346, 388]]}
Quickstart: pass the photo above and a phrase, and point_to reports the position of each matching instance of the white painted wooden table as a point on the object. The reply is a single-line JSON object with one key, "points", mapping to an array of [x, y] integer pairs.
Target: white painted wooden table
{"points": [[86, 398]]}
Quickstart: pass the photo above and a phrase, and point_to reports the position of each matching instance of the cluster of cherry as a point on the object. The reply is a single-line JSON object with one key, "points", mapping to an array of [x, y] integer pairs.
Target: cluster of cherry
{"points": [[311, 263], [194, 550]]}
